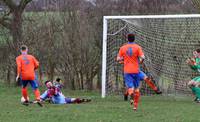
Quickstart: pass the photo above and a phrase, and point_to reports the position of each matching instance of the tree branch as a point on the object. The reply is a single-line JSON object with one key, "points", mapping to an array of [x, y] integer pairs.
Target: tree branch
{"points": [[11, 5], [23, 4], [5, 20], [4, 23]]}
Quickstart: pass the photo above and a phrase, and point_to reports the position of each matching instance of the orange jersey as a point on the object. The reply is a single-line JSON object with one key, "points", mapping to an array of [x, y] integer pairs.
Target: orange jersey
{"points": [[26, 65], [130, 53]]}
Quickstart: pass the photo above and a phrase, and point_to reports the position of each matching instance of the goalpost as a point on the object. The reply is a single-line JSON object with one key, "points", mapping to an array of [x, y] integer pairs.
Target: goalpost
{"points": [[167, 41]]}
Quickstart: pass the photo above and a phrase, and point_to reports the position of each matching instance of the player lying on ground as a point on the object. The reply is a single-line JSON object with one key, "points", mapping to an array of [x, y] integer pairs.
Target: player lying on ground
{"points": [[194, 63], [54, 94]]}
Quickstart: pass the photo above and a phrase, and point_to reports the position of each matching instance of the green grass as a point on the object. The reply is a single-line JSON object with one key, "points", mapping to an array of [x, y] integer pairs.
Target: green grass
{"points": [[110, 109]]}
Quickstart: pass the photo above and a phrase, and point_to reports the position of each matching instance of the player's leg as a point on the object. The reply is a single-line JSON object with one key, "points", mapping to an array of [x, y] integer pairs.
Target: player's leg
{"points": [[136, 98], [125, 89], [129, 85], [197, 85], [24, 92], [194, 85], [76, 100], [191, 85], [149, 82], [73, 100], [196, 90], [86, 100], [44, 97], [136, 84], [36, 91], [125, 94], [152, 85]]}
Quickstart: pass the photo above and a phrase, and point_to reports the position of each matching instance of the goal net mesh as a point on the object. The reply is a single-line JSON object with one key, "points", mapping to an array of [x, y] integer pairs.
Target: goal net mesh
{"points": [[166, 42]]}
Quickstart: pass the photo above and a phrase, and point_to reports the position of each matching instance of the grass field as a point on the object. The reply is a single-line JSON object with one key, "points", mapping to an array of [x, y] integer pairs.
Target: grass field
{"points": [[110, 109]]}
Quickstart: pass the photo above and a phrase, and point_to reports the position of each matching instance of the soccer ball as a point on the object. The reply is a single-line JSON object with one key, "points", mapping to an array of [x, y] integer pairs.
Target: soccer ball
{"points": [[23, 100]]}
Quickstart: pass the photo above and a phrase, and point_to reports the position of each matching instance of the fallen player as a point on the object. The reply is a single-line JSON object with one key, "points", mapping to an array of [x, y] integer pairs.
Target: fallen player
{"points": [[55, 96]]}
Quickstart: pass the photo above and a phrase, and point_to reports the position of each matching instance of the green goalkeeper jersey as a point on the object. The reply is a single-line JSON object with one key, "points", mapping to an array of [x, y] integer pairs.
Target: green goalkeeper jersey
{"points": [[196, 90], [197, 66]]}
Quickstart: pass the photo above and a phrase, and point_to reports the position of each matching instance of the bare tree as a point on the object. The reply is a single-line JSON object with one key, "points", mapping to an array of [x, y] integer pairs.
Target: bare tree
{"points": [[11, 19]]}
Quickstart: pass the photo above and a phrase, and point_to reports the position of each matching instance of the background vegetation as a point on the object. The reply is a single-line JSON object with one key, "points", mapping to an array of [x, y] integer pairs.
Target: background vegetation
{"points": [[66, 35]]}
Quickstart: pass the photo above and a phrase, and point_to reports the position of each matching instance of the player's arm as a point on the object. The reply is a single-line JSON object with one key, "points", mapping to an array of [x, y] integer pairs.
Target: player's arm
{"points": [[120, 58], [36, 63], [44, 96], [56, 90], [192, 63], [142, 59], [141, 55], [18, 62]]}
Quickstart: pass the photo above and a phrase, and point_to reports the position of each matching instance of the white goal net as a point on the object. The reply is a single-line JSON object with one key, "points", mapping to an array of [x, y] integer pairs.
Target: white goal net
{"points": [[167, 41]]}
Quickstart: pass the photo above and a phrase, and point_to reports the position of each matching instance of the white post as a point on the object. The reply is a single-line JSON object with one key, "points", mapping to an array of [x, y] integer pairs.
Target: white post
{"points": [[154, 16], [104, 53]]}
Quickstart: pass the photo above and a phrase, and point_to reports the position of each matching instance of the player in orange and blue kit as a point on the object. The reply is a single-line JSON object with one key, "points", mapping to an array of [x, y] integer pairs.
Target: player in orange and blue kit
{"points": [[132, 55], [148, 80], [26, 66]]}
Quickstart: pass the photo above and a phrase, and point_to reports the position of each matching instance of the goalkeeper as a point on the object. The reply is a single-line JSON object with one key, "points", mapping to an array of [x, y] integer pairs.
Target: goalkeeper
{"points": [[54, 94], [194, 63]]}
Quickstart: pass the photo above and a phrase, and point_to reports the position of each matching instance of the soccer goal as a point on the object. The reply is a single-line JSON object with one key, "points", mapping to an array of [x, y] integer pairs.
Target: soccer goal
{"points": [[167, 41]]}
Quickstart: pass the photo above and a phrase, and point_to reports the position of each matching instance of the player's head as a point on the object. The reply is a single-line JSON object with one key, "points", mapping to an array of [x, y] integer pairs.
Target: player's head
{"points": [[198, 50], [58, 80], [196, 53], [24, 49], [48, 84], [131, 37]]}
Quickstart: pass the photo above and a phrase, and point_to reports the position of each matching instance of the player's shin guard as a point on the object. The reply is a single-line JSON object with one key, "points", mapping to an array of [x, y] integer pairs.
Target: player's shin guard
{"points": [[25, 93], [136, 99], [37, 94]]}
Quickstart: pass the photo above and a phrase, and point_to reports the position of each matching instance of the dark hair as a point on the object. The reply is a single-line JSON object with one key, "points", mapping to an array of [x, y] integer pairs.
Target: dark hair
{"points": [[58, 79], [24, 47], [198, 50], [131, 37], [47, 82]]}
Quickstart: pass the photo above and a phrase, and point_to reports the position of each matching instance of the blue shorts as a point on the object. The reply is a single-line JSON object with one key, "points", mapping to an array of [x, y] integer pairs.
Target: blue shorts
{"points": [[33, 83], [132, 80], [142, 75]]}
